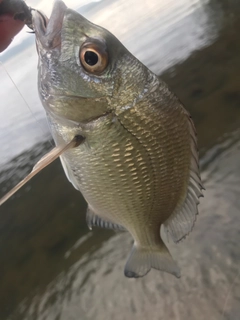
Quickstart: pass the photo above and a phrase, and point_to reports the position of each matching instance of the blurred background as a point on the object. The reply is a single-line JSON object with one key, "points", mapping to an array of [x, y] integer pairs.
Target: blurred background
{"points": [[51, 266]]}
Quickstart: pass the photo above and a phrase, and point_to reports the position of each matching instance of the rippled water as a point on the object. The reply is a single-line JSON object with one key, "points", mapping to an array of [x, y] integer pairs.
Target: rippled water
{"points": [[51, 266]]}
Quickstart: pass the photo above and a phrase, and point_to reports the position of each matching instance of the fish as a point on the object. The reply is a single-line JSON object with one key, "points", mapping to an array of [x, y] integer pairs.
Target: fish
{"points": [[137, 166]]}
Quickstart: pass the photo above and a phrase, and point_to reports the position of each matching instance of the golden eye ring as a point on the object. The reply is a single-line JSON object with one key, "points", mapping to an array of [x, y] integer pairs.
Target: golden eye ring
{"points": [[94, 56]]}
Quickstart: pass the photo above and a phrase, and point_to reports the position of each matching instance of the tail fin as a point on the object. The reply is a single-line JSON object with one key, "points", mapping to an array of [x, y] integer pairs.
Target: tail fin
{"points": [[142, 259]]}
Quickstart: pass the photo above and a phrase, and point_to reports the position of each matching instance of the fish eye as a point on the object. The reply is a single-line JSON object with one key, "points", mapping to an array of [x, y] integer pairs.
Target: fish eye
{"points": [[94, 56]]}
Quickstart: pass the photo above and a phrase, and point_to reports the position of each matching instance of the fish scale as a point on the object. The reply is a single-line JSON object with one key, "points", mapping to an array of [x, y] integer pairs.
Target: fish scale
{"points": [[93, 171], [158, 159], [137, 166]]}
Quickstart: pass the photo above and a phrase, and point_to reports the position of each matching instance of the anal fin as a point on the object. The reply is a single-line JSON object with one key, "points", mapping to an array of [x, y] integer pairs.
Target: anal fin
{"points": [[94, 220]]}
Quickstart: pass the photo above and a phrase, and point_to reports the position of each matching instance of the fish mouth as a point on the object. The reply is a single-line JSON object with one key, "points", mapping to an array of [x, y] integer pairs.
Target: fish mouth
{"points": [[48, 31]]}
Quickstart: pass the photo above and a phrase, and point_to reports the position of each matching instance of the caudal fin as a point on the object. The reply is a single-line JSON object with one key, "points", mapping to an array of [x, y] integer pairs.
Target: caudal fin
{"points": [[142, 259]]}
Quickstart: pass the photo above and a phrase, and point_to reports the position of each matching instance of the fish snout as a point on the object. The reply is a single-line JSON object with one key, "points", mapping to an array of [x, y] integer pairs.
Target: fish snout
{"points": [[48, 31]]}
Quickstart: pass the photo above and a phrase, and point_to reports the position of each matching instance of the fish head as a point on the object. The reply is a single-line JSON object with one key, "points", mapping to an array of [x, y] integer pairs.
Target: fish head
{"points": [[84, 71]]}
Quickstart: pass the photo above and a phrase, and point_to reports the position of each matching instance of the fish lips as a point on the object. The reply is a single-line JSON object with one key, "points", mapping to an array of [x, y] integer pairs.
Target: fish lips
{"points": [[48, 31]]}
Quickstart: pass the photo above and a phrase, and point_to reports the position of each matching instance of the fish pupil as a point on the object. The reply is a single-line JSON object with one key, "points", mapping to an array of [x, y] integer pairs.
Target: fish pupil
{"points": [[91, 58]]}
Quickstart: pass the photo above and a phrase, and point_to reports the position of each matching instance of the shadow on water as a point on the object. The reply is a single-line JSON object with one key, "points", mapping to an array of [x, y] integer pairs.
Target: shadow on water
{"points": [[52, 267], [35, 234]]}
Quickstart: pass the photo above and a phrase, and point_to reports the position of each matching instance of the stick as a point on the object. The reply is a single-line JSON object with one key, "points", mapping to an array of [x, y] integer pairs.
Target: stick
{"points": [[42, 163]]}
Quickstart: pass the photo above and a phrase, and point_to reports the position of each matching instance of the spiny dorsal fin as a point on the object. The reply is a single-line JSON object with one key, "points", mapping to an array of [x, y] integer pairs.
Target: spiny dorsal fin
{"points": [[181, 222], [94, 220]]}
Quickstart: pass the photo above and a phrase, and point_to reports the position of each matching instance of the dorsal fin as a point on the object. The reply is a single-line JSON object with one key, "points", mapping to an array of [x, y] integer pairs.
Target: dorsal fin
{"points": [[181, 222], [94, 220]]}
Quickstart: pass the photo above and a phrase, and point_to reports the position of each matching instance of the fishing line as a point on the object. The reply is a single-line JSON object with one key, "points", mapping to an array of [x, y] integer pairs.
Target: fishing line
{"points": [[26, 103]]}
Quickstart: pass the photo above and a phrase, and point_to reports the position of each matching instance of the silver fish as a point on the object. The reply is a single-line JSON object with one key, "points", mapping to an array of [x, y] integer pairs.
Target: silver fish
{"points": [[138, 165]]}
